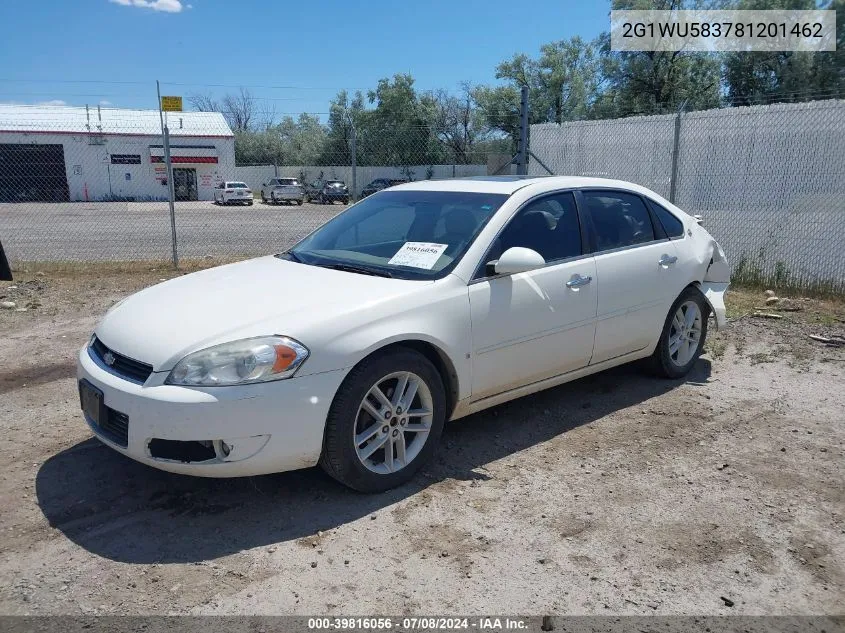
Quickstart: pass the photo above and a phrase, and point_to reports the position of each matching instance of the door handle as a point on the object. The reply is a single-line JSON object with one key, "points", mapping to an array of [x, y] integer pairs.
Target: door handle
{"points": [[667, 260], [577, 281]]}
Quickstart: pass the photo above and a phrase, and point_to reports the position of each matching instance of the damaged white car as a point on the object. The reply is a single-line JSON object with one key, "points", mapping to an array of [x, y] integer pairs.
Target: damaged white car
{"points": [[422, 303]]}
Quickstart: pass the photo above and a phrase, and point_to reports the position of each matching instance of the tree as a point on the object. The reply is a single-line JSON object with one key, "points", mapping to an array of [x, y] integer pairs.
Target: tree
{"points": [[653, 82], [499, 106], [768, 77], [562, 81], [458, 124], [240, 110], [203, 102], [343, 114], [397, 131]]}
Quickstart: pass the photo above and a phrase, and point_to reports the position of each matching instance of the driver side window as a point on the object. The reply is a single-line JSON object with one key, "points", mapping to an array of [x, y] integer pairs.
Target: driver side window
{"points": [[548, 225]]}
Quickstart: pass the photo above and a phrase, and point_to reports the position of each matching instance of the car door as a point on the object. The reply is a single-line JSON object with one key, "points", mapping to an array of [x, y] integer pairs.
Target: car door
{"points": [[636, 271], [541, 323]]}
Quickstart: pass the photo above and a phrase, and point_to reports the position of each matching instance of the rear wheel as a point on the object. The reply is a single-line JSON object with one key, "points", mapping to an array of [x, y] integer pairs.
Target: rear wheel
{"points": [[683, 336], [299, 203], [385, 421]]}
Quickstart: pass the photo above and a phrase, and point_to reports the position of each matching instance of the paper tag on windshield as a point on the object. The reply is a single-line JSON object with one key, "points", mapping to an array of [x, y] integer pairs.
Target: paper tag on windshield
{"points": [[418, 255]]}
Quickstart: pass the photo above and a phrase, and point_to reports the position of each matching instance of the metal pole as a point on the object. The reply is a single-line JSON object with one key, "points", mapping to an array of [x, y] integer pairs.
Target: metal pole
{"points": [[354, 142], [171, 192], [676, 148], [171, 195], [522, 153]]}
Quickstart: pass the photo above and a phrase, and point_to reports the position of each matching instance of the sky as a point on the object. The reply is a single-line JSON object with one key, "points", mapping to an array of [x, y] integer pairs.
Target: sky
{"points": [[292, 56]]}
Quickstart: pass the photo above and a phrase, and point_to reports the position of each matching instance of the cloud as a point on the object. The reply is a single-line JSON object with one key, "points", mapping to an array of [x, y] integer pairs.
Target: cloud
{"points": [[105, 103], [167, 6], [52, 102]]}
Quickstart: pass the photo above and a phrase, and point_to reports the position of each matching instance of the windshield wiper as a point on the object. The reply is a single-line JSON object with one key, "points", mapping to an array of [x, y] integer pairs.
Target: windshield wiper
{"points": [[356, 269]]}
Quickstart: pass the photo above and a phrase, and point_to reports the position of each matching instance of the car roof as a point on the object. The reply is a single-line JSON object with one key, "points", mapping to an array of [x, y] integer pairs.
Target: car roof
{"points": [[510, 184]]}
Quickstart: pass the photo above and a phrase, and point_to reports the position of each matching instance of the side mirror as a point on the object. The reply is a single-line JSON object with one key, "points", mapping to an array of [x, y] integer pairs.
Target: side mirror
{"points": [[517, 260]]}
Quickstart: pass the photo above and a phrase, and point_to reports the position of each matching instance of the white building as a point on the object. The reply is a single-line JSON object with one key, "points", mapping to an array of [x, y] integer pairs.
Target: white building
{"points": [[57, 153]]}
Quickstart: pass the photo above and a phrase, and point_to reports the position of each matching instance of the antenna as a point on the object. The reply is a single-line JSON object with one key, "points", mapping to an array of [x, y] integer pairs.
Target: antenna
{"points": [[87, 118]]}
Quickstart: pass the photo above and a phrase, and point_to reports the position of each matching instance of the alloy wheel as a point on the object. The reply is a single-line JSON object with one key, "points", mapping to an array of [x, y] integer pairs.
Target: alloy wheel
{"points": [[393, 422], [685, 333]]}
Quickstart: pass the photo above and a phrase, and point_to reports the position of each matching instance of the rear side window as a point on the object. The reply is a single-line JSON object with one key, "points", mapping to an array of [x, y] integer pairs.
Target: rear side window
{"points": [[672, 225], [619, 219]]}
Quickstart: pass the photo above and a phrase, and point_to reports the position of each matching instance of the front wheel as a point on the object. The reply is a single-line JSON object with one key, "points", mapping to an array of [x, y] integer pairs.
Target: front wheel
{"points": [[683, 335], [385, 421]]}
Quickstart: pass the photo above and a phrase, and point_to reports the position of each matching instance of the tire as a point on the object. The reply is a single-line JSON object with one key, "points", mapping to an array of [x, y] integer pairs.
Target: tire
{"points": [[321, 200], [340, 457], [676, 364], [345, 201], [249, 203], [263, 198], [299, 203]]}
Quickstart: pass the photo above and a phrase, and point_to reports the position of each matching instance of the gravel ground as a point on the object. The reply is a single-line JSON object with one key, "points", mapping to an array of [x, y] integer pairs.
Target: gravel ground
{"points": [[121, 231], [616, 494]]}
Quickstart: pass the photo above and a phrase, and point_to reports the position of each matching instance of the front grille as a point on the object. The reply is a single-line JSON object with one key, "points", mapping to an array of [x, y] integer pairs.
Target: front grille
{"points": [[115, 427], [122, 366]]}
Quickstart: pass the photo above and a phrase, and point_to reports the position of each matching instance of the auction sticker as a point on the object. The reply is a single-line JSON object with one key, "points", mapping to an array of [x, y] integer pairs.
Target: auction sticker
{"points": [[418, 255]]}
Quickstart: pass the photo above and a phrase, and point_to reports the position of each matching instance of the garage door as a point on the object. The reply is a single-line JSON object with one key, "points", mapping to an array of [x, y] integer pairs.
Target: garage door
{"points": [[32, 173]]}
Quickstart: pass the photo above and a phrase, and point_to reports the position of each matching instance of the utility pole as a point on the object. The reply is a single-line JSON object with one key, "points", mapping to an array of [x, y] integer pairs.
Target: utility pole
{"points": [[171, 192], [522, 153]]}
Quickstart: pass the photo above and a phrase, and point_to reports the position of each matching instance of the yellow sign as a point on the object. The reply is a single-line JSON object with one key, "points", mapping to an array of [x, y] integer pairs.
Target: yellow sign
{"points": [[171, 104]]}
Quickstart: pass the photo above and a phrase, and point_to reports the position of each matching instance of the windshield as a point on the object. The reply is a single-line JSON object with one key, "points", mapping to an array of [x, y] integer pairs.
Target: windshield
{"points": [[405, 234], [238, 185], [288, 181]]}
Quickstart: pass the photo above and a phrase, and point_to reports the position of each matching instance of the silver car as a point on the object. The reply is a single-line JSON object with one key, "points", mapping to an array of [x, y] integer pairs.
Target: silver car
{"points": [[282, 190]]}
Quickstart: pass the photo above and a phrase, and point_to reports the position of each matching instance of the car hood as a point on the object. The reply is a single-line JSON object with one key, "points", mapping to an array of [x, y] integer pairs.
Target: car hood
{"points": [[258, 297]]}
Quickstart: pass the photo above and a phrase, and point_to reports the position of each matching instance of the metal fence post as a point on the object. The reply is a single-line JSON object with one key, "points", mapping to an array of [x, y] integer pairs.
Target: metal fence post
{"points": [[354, 143], [171, 191], [522, 153], [676, 149]]}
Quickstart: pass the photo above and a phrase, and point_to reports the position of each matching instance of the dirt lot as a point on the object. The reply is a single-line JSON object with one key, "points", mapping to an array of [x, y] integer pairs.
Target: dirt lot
{"points": [[120, 231], [618, 493]]}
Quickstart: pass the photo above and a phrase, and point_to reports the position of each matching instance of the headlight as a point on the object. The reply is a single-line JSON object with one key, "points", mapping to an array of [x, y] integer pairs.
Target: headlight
{"points": [[240, 362]]}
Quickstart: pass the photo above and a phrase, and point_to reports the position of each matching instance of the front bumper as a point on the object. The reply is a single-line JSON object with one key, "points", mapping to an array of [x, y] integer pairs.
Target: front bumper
{"points": [[267, 427]]}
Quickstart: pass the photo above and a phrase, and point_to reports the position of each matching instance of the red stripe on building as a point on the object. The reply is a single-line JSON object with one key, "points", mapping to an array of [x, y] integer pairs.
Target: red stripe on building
{"points": [[185, 159]]}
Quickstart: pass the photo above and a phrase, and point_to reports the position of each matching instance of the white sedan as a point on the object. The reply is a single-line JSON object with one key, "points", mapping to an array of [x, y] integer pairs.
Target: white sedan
{"points": [[232, 192], [422, 303]]}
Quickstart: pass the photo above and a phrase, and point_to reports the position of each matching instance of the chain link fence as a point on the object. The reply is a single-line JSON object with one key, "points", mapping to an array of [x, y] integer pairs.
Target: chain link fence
{"points": [[91, 184], [769, 180]]}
